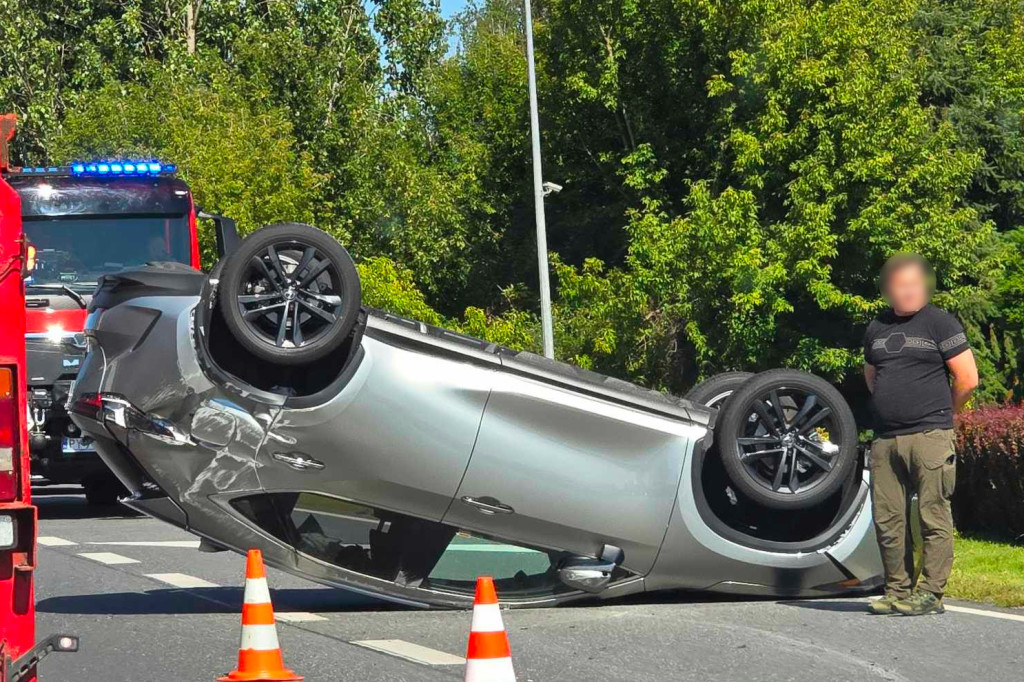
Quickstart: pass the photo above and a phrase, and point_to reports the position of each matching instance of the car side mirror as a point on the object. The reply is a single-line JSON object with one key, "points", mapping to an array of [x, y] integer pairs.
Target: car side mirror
{"points": [[226, 231]]}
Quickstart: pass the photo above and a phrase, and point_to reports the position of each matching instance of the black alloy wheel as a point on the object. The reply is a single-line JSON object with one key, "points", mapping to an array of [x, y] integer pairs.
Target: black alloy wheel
{"points": [[290, 294], [788, 440]]}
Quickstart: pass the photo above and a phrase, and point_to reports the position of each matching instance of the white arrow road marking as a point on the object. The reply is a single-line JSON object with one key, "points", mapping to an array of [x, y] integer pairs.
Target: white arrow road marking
{"points": [[51, 541], [181, 580], [108, 558], [411, 652]]}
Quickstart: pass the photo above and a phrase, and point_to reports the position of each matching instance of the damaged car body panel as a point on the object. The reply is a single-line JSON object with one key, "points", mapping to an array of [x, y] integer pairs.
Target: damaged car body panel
{"points": [[412, 459]]}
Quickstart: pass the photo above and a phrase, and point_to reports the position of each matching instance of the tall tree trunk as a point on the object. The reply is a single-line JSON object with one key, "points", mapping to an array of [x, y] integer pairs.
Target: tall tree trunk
{"points": [[190, 26]]}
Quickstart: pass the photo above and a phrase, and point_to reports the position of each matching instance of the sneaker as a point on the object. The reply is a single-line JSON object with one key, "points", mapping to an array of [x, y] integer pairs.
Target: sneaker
{"points": [[883, 606], [920, 603]]}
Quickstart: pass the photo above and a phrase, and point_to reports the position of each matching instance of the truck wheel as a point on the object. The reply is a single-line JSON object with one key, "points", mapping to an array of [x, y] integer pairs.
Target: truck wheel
{"points": [[715, 391], [103, 491], [787, 439], [289, 294]]}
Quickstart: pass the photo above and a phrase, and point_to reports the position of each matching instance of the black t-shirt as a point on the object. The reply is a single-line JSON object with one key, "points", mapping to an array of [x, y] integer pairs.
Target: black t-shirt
{"points": [[912, 391]]}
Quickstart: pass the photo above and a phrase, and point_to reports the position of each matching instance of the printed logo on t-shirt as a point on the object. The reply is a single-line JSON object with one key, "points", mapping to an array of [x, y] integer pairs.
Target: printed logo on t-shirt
{"points": [[953, 341], [897, 341]]}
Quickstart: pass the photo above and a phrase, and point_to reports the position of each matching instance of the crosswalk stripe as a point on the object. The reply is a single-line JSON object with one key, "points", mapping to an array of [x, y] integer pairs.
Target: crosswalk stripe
{"points": [[181, 580], [297, 617], [185, 544], [108, 558], [411, 652], [51, 541]]}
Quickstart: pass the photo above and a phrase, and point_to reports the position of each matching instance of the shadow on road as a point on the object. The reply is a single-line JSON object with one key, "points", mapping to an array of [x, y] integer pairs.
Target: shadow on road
{"points": [[68, 502], [208, 600]]}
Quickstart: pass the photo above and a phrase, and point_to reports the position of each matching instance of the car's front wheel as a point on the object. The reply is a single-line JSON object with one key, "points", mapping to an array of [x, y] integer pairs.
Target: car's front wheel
{"points": [[787, 439], [289, 294]]}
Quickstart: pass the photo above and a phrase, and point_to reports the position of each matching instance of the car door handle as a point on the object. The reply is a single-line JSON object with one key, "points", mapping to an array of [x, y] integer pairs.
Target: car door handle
{"points": [[297, 461], [488, 505]]}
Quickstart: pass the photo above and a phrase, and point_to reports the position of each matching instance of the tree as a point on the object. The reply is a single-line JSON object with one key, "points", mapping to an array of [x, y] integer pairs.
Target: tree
{"points": [[239, 160]]}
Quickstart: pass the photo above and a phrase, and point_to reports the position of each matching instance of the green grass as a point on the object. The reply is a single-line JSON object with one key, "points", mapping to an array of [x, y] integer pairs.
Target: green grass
{"points": [[987, 571]]}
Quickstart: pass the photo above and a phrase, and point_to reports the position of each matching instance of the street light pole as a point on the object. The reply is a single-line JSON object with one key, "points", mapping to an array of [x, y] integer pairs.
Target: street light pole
{"points": [[547, 332]]}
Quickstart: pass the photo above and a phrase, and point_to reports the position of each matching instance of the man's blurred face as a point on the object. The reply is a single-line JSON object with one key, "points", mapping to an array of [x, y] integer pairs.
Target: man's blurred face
{"points": [[907, 289]]}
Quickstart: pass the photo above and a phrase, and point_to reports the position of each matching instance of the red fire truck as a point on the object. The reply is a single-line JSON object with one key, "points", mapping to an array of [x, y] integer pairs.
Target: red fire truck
{"points": [[86, 219], [18, 655]]}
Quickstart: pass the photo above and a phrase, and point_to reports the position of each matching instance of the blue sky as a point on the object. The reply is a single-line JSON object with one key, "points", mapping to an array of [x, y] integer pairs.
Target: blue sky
{"points": [[450, 7]]}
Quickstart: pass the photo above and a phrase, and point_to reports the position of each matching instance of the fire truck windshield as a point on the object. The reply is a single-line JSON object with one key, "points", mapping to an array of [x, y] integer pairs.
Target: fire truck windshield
{"points": [[75, 250]]}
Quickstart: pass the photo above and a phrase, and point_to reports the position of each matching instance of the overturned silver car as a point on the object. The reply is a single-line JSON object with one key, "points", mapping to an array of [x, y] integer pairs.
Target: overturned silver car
{"points": [[262, 406]]}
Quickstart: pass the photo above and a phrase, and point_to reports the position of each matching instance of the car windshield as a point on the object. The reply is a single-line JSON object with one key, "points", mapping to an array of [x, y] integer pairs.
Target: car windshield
{"points": [[76, 251]]}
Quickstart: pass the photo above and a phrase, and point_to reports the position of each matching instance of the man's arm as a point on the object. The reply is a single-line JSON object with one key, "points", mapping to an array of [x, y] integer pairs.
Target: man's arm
{"points": [[869, 376], [965, 378]]}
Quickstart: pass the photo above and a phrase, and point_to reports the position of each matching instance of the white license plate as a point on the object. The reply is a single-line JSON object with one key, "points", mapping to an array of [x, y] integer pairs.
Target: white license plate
{"points": [[71, 446]]}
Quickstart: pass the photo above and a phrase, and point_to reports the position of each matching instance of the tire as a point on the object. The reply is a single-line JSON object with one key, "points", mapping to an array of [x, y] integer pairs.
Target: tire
{"points": [[103, 491], [306, 283], [715, 391], [792, 460]]}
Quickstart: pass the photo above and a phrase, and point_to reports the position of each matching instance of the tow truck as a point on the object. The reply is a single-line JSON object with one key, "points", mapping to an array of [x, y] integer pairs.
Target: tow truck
{"points": [[19, 655], [86, 219]]}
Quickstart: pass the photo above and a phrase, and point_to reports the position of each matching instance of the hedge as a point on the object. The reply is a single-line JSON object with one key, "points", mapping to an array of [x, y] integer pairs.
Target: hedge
{"points": [[989, 493]]}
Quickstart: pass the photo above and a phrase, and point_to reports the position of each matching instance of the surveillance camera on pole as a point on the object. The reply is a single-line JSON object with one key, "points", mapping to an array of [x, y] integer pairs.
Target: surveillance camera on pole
{"points": [[551, 188]]}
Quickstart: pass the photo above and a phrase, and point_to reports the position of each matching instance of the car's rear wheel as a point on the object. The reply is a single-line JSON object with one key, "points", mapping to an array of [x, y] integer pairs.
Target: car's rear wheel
{"points": [[787, 439], [289, 294]]}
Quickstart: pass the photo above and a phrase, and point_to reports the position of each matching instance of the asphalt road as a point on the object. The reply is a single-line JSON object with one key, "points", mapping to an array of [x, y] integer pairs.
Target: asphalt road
{"points": [[149, 607]]}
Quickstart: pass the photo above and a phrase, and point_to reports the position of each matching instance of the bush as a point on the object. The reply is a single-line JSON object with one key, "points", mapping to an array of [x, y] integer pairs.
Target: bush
{"points": [[990, 471]]}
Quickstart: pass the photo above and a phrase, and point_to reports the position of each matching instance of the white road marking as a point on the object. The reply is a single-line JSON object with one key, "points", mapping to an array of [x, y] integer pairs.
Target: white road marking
{"points": [[297, 616], [411, 652], [185, 581], [181, 580], [976, 612], [51, 541], [108, 558], [187, 544], [983, 612], [511, 549]]}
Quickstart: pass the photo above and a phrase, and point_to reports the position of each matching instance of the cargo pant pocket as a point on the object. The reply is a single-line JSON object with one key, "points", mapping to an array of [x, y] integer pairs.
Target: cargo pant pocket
{"points": [[938, 453], [949, 476]]}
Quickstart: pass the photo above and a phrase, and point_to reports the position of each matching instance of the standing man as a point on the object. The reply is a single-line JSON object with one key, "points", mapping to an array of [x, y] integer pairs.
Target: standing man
{"points": [[910, 352]]}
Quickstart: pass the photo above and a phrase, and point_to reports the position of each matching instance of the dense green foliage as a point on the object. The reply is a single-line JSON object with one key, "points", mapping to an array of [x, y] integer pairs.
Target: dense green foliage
{"points": [[990, 471], [735, 171]]}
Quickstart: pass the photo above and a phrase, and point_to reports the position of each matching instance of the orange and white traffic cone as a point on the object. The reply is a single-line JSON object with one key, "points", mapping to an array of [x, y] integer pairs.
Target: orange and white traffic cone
{"points": [[488, 658], [259, 655]]}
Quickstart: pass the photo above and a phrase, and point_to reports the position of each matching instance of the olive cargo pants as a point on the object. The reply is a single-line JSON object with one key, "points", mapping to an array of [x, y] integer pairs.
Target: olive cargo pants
{"points": [[922, 463]]}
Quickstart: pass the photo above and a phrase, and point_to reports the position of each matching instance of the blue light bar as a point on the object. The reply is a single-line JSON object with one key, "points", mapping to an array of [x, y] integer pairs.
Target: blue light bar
{"points": [[120, 168]]}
